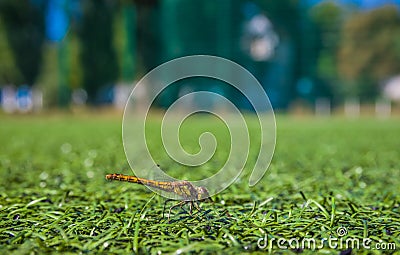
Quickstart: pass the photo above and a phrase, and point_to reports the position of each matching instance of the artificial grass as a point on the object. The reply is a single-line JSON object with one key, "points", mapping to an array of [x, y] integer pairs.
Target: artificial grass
{"points": [[326, 175]]}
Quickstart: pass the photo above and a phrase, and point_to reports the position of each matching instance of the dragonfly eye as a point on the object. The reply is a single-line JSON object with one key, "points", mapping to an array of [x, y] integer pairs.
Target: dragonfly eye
{"points": [[202, 193]]}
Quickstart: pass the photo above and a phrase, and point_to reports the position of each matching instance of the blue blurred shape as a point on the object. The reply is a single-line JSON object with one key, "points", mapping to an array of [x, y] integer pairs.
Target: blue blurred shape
{"points": [[304, 86], [372, 4], [250, 9], [24, 98], [57, 20], [363, 4]]}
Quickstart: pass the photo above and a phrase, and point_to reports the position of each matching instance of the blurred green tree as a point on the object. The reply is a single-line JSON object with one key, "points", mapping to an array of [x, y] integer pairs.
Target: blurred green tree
{"points": [[148, 34], [24, 26], [98, 56], [125, 40], [9, 73], [327, 18], [370, 50], [290, 60], [219, 28]]}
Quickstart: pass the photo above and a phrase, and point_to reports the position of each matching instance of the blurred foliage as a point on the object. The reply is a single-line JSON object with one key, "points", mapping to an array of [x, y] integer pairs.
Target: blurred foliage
{"points": [[8, 71], [24, 25], [148, 36], [222, 28], [125, 40], [75, 73], [370, 49], [98, 56], [49, 75], [327, 18], [341, 51]]}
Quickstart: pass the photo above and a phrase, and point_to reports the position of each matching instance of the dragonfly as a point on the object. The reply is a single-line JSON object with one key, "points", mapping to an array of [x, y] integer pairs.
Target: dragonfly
{"points": [[188, 192]]}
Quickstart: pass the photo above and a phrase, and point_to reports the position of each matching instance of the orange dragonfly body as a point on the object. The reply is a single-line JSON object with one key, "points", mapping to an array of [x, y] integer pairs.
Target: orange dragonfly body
{"points": [[186, 190]]}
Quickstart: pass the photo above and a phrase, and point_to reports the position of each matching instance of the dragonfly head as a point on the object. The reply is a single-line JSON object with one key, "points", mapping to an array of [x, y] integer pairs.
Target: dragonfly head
{"points": [[202, 193]]}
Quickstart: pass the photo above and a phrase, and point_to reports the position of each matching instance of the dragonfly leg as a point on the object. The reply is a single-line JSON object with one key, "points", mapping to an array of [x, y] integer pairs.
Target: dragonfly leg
{"points": [[165, 204], [172, 207], [196, 205], [190, 207], [192, 204]]}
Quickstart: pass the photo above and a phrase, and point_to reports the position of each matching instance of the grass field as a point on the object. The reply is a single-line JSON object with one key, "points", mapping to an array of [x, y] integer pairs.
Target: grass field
{"points": [[328, 177]]}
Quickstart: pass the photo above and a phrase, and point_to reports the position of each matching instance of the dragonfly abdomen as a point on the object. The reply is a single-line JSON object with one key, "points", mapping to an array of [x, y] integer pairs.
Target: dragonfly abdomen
{"points": [[184, 189]]}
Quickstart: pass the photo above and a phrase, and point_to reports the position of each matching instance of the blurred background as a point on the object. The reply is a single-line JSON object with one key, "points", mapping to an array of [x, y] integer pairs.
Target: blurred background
{"points": [[320, 57]]}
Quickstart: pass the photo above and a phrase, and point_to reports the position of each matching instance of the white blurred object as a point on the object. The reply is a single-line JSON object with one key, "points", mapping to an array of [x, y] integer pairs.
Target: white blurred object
{"points": [[391, 89], [79, 96], [260, 39], [22, 99], [8, 99], [37, 99], [121, 95], [383, 108], [352, 107], [323, 107]]}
